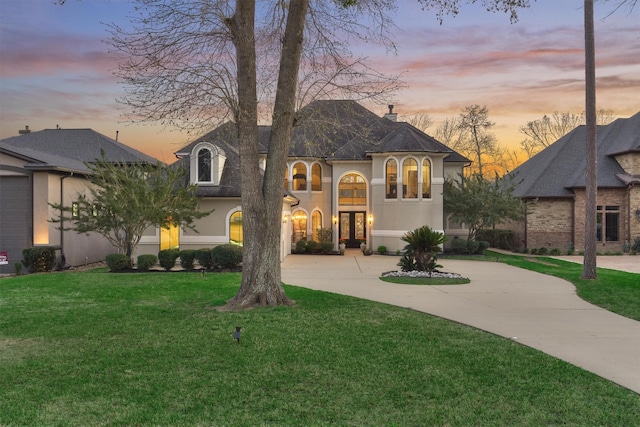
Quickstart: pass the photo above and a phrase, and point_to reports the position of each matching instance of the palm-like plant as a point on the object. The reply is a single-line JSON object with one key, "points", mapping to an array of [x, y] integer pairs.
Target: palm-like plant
{"points": [[422, 246]]}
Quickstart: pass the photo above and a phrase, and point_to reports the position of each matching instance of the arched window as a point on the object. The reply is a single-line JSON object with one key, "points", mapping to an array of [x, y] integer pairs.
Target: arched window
{"points": [[352, 190], [426, 179], [204, 165], [316, 177], [299, 177], [410, 179], [316, 225], [391, 175], [235, 228], [299, 223]]}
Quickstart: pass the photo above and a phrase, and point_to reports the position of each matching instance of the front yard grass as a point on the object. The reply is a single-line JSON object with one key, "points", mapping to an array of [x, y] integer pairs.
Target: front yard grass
{"points": [[94, 348]]}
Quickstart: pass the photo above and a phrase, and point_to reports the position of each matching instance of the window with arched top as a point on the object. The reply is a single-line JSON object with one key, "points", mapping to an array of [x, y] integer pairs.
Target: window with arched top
{"points": [[426, 179], [299, 177], [299, 226], [352, 190], [391, 179], [204, 165], [316, 225], [235, 228], [316, 177], [410, 179]]}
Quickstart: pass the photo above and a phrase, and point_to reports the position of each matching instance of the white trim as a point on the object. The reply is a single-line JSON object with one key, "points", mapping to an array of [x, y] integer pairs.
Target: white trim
{"points": [[436, 181], [204, 240]]}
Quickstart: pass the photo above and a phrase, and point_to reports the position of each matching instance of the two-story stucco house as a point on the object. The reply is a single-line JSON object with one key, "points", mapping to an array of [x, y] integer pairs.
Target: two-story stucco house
{"points": [[363, 176]]}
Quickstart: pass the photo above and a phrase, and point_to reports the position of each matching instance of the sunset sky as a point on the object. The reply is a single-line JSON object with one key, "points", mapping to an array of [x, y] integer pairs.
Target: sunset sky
{"points": [[55, 68]]}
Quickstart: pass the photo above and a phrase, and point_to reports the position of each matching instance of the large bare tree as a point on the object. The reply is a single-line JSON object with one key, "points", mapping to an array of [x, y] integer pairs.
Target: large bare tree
{"points": [[543, 132], [192, 63]]}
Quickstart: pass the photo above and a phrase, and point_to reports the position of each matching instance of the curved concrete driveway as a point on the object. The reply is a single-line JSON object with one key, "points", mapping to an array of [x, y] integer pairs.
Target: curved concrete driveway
{"points": [[536, 310]]}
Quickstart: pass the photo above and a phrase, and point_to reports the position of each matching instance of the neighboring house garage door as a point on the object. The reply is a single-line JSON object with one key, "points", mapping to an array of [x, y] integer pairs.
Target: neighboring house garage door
{"points": [[15, 218]]}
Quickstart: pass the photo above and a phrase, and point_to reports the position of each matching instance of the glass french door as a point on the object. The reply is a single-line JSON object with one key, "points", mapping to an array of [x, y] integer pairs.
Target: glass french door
{"points": [[353, 228]]}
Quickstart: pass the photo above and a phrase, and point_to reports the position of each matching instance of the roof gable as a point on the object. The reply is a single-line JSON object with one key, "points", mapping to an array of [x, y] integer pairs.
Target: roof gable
{"points": [[559, 168], [71, 148]]}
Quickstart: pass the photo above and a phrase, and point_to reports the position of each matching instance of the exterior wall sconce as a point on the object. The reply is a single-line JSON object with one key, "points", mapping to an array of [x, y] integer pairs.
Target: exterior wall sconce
{"points": [[370, 219], [334, 219], [285, 218]]}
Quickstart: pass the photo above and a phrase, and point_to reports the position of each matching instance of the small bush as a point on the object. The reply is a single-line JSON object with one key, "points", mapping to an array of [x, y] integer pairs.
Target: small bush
{"points": [[39, 259], [117, 262], [534, 251], [326, 247], [226, 256], [313, 247], [635, 248], [205, 258], [167, 258], [543, 251], [482, 245], [473, 246], [301, 246], [459, 246], [554, 252], [18, 267], [382, 249], [145, 262], [501, 239], [187, 257]]}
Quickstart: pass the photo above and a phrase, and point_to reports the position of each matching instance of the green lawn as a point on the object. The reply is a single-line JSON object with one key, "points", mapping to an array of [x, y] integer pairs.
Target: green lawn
{"points": [[616, 291], [95, 348]]}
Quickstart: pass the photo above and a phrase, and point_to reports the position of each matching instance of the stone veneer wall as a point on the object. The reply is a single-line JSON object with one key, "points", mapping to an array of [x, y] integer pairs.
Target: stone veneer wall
{"points": [[606, 197], [630, 162], [549, 223]]}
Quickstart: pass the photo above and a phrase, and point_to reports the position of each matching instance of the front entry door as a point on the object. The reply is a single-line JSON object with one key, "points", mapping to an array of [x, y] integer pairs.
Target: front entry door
{"points": [[353, 228]]}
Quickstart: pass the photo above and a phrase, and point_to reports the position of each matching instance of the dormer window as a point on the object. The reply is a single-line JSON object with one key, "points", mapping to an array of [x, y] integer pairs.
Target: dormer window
{"points": [[204, 165], [207, 163]]}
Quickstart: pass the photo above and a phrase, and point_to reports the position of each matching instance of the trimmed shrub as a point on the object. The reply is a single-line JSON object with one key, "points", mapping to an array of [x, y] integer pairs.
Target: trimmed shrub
{"points": [[168, 258], [145, 262], [205, 258], [227, 256], [473, 246], [459, 246], [326, 247], [543, 251], [301, 246], [554, 252], [117, 262], [635, 248], [482, 245], [187, 257], [39, 258], [501, 239], [382, 249], [313, 247]]}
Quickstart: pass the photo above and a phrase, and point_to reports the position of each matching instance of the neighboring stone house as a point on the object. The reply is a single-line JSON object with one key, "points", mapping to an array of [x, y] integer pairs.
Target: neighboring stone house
{"points": [[553, 185], [38, 168], [365, 177]]}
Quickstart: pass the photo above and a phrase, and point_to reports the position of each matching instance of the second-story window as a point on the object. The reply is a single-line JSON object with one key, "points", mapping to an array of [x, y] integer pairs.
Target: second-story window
{"points": [[204, 165]]}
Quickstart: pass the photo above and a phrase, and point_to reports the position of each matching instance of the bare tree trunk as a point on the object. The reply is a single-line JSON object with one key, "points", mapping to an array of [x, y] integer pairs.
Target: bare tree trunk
{"points": [[589, 266], [262, 198]]}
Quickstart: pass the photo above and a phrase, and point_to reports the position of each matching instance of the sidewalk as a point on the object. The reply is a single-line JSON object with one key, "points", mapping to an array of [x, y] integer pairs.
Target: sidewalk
{"points": [[533, 309]]}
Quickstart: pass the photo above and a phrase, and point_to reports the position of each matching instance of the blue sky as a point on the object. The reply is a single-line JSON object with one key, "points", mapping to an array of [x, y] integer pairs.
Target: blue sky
{"points": [[55, 68]]}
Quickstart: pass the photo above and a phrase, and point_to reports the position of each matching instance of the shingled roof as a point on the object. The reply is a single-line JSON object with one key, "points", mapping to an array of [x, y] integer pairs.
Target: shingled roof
{"points": [[69, 149], [561, 167]]}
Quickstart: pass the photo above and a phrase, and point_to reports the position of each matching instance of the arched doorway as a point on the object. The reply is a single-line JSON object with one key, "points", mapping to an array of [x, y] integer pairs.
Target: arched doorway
{"points": [[352, 202]]}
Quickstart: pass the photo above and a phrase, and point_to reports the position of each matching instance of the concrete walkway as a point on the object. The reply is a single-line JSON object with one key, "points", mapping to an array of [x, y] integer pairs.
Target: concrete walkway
{"points": [[533, 309]]}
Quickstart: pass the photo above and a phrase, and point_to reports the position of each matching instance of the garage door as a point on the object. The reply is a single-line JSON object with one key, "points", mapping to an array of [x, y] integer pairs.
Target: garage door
{"points": [[15, 219]]}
